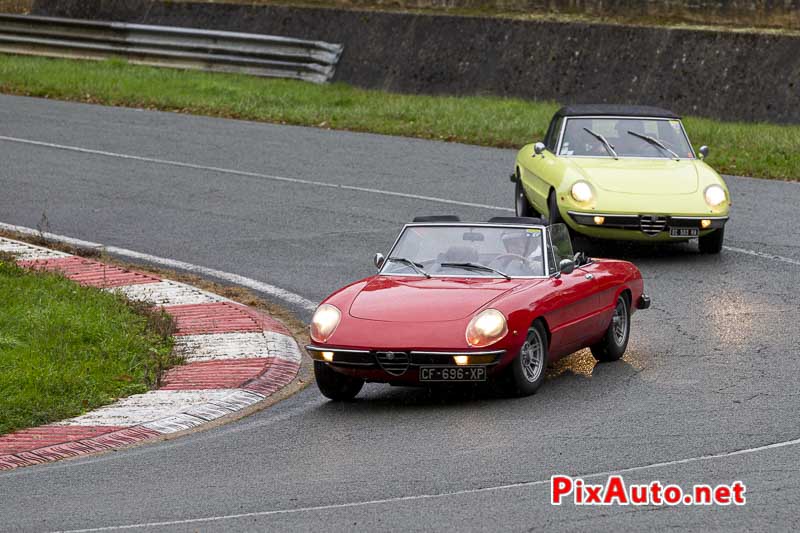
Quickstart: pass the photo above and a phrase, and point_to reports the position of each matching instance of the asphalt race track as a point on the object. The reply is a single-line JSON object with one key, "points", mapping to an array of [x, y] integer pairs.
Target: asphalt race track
{"points": [[711, 368]]}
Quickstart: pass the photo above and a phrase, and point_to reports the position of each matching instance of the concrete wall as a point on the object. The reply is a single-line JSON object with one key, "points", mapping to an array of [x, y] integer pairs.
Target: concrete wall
{"points": [[717, 74]]}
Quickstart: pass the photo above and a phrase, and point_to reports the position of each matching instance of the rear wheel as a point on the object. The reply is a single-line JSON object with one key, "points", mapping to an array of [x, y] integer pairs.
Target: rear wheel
{"points": [[334, 385], [712, 243], [522, 206], [527, 370], [615, 341]]}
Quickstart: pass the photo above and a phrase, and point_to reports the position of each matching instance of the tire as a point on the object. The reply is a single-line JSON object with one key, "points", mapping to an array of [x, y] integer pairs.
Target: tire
{"points": [[615, 340], [527, 369], [336, 386], [712, 243], [554, 217], [522, 206]]}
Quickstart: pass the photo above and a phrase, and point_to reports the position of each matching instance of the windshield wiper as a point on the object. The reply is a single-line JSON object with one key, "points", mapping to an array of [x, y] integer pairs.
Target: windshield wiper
{"points": [[603, 140], [655, 142], [416, 266], [475, 266]]}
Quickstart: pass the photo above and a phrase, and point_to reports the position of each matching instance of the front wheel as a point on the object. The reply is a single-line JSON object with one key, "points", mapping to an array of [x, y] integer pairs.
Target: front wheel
{"points": [[334, 385], [712, 243], [527, 370], [615, 341]]}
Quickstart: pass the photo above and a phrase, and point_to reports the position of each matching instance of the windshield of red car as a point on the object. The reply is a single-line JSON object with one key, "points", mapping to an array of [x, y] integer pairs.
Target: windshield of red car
{"points": [[460, 251], [627, 137]]}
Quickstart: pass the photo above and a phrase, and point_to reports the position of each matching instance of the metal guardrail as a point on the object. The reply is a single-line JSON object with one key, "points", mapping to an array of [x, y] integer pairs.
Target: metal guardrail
{"points": [[165, 46]]}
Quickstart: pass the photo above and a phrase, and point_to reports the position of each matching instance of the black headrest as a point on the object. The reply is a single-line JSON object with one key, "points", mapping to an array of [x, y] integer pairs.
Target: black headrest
{"points": [[437, 218], [518, 220]]}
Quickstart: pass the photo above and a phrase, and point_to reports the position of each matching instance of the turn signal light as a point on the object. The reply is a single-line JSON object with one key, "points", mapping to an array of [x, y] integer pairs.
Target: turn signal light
{"points": [[705, 223], [328, 356], [599, 220], [461, 360]]}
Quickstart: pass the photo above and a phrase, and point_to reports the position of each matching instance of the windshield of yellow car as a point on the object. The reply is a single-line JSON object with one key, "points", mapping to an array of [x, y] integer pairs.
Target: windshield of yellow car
{"points": [[627, 137], [467, 251]]}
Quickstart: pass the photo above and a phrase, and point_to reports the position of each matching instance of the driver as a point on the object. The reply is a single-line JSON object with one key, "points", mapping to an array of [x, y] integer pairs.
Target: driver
{"points": [[528, 248]]}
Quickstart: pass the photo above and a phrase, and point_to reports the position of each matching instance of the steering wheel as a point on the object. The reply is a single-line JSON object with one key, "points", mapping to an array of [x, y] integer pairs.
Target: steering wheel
{"points": [[505, 259]]}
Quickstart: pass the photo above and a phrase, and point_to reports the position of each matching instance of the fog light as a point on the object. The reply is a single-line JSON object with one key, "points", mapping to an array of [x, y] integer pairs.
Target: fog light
{"points": [[328, 356], [599, 220], [461, 360], [705, 223]]}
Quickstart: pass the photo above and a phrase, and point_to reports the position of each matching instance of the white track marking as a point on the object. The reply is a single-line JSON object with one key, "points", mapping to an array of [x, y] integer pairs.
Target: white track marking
{"points": [[222, 346], [316, 183], [237, 346], [28, 252], [167, 293], [266, 288], [204, 412], [283, 346], [762, 254], [143, 408], [259, 175], [401, 499]]}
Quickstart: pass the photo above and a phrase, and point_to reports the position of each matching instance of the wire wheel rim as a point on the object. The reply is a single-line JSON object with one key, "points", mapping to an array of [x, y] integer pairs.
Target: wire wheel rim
{"points": [[619, 323], [532, 356]]}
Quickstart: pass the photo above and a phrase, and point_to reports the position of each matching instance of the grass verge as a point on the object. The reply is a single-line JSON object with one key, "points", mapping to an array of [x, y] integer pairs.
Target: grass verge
{"points": [[66, 349], [751, 149]]}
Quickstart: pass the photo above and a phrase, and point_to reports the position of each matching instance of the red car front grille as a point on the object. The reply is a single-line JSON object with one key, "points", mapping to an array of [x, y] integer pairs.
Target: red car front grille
{"points": [[394, 363]]}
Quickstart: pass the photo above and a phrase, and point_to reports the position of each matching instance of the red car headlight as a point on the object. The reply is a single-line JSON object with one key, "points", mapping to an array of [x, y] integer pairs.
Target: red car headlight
{"points": [[486, 327], [324, 322]]}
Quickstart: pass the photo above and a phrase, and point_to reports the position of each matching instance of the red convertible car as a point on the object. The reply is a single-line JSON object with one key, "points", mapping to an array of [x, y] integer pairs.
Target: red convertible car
{"points": [[469, 302]]}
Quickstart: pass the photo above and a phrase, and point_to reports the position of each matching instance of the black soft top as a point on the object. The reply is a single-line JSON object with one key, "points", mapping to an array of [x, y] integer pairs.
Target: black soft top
{"points": [[579, 110]]}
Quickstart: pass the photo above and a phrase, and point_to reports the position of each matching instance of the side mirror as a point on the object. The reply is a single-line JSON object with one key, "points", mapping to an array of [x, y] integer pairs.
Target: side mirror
{"points": [[703, 152], [538, 149], [566, 266], [379, 260]]}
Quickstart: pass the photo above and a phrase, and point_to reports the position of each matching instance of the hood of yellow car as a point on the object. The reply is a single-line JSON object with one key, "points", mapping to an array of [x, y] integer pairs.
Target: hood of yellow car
{"points": [[653, 177]]}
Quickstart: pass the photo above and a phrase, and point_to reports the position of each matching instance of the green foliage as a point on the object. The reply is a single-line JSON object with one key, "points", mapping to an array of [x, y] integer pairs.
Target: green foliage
{"points": [[758, 150], [66, 349]]}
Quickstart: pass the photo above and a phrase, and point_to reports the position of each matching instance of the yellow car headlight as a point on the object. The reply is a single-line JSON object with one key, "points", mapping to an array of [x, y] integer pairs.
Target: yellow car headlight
{"points": [[582, 192], [324, 322], [486, 327], [715, 196]]}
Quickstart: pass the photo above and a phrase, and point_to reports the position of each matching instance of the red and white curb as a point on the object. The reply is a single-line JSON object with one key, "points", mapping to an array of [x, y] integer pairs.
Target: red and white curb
{"points": [[235, 357]]}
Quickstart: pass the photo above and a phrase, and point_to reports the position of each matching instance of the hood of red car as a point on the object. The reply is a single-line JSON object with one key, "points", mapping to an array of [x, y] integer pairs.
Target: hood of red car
{"points": [[401, 299]]}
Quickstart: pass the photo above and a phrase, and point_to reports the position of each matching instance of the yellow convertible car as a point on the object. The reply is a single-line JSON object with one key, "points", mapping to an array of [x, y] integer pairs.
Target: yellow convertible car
{"points": [[622, 172]]}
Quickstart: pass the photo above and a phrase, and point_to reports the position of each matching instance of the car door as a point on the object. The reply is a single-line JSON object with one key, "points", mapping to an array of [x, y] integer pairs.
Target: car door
{"points": [[573, 317], [604, 288]]}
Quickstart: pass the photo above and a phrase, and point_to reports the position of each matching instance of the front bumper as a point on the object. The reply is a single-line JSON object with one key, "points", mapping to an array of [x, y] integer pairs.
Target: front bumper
{"points": [[644, 302], [398, 365], [643, 227]]}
